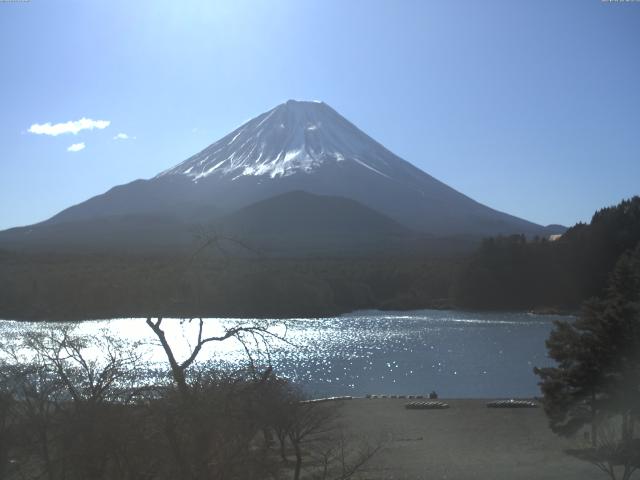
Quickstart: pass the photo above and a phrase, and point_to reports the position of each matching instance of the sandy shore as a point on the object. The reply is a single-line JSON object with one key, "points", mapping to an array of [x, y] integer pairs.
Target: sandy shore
{"points": [[465, 442]]}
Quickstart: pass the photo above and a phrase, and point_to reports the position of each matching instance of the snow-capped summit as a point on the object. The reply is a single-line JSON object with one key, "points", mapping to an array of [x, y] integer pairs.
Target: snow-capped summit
{"points": [[294, 137]]}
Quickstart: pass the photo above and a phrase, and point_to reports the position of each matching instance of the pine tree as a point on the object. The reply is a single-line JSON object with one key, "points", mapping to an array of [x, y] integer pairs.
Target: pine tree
{"points": [[597, 376]]}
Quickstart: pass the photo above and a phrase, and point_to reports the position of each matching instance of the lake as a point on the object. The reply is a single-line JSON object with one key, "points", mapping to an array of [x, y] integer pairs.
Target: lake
{"points": [[458, 354]]}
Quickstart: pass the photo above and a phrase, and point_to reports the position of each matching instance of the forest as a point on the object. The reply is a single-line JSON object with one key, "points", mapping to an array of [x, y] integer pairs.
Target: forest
{"points": [[504, 273], [515, 273], [76, 287]]}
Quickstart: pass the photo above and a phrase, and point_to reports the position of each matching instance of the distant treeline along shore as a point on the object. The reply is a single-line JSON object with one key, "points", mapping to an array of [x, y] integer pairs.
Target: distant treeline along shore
{"points": [[503, 273]]}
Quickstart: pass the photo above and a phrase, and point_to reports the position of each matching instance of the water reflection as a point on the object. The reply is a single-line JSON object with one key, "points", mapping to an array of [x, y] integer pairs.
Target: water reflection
{"points": [[458, 354]]}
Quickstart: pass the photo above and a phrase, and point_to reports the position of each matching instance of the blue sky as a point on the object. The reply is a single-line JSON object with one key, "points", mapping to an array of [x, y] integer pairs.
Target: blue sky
{"points": [[531, 107]]}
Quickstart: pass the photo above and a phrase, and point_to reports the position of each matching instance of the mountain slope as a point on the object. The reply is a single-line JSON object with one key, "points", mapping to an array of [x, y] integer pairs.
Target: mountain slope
{"points": [[302, 223], [297, 146], [314, 214], [133, 233]]}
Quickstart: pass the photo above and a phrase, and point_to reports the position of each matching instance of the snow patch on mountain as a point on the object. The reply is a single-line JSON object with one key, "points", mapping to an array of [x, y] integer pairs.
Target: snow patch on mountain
{"points": [[294, 137]]}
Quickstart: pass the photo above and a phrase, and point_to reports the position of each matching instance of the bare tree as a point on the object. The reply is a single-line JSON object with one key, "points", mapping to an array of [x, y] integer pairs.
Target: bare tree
{"points": [[615, 454], [312, 432], [344, 457], [255, 332], [71, 392]]}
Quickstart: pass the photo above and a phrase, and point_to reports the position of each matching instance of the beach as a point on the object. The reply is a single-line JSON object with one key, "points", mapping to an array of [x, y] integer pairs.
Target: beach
{"points": [[464, 442]]}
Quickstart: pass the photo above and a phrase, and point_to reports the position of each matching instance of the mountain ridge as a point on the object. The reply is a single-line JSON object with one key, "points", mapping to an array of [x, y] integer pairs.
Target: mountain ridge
{"points": [[298, 146]]}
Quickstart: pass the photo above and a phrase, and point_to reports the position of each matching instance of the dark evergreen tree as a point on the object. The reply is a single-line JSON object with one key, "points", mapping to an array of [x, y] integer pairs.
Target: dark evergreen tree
{"points": [[597, 377]]}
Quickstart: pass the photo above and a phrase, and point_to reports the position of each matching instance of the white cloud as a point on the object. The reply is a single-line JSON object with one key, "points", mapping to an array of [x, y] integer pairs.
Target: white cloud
{"points": [[122, 136], [68, 127], [76, 147]]}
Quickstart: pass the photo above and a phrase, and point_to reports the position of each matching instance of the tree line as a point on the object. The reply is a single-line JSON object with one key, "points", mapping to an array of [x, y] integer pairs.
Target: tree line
{"points": [[76, 287], [521, 274], [504, 273]]}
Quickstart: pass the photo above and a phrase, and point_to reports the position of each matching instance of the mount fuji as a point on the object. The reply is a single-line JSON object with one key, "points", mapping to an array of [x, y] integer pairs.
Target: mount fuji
{"points": [[290, 166]]}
